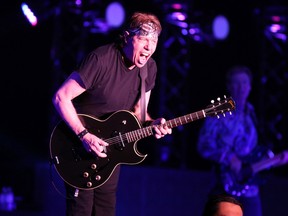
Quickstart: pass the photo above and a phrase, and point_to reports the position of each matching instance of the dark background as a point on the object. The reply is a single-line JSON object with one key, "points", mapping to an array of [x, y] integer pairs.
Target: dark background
{"points": [[31, 72]]}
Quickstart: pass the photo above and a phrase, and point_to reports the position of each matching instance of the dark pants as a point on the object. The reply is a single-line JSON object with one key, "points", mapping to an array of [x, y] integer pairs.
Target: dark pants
{"points": [[100, 201]]}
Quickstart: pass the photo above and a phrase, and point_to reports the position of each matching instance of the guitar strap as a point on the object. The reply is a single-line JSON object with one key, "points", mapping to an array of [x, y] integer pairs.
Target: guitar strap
{"points": [[143, 75]]}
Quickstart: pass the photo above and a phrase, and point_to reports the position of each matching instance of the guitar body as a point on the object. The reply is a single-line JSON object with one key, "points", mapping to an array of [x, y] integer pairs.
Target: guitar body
{"points": [[84, 170], [241, 184]]}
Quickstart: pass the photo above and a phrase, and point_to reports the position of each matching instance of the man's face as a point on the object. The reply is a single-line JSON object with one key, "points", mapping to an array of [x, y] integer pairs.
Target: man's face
{"points": [[240, 86], [142, 45], [229, 209]]}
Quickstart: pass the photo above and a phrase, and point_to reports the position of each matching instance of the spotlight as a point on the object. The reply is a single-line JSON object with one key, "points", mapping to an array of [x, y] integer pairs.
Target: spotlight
{"points": [[277, 28], [98, 22], [196, 24], [94, 22], [276, 23], [29, 14], [278, 31], [115, 14], [220, 27], [196, 33], [177, 15]]}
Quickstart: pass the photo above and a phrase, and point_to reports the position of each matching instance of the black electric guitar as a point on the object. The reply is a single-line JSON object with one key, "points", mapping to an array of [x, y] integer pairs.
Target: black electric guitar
{"points": [[240, 184], [121, 130]]}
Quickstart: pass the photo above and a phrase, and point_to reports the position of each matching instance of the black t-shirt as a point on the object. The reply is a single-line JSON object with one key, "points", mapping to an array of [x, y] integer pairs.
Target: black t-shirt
{"points": [[110, 85]]}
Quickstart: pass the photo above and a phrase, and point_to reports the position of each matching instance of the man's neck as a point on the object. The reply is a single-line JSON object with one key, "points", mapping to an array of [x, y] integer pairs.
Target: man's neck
{"points": [[128, 63]]}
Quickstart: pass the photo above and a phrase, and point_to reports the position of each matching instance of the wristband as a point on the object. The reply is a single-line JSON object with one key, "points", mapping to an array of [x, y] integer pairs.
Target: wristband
{"points": [[82, 133]]}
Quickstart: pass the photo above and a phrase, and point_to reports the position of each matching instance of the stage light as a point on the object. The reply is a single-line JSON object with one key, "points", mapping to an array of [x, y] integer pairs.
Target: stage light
{"points": [[94, 22], [276, 24], [196, 33], [197, 25], [115, 14], [29, 14], [78, 3], [220, 27], [177, 15], [274, 28], [277, 27], [278, 31], [107, 18]]}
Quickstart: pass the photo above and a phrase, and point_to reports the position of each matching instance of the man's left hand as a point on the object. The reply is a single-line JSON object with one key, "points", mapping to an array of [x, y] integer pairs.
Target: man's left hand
{"points": [[160, 128]]}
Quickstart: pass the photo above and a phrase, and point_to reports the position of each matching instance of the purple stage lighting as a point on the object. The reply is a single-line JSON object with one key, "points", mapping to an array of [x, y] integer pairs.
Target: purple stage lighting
{"points": [[220, 27], [176, 15], [115, 14]]}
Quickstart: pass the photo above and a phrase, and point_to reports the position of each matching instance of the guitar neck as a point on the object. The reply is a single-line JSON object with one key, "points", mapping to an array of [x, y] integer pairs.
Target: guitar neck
{"points": [[215, 109], [148, 131], [185, 119], [271, 162]]}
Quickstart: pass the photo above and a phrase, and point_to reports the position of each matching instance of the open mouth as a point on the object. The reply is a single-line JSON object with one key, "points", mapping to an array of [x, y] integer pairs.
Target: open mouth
{"points": [[143, 58]]}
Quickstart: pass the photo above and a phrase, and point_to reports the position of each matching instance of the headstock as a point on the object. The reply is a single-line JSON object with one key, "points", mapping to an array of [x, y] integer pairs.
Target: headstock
{"points": [[220, 107]]}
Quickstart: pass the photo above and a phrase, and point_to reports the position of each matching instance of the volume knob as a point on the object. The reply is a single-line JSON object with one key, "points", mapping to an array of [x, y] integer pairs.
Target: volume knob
{"points": [[98, 178]]}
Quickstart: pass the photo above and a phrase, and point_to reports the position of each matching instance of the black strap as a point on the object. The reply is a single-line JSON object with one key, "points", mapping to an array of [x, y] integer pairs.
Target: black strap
{"points": [[82, 133], [143, 75]]}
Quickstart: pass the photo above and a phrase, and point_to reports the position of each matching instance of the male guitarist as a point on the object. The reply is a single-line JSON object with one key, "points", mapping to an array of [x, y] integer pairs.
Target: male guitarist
{"points": [[227, 141], [109, 80]]}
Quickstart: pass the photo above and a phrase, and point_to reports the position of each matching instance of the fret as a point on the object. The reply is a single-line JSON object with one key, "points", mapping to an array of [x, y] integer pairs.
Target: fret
{"points": [[129, 139], [186, 119], [180, 121], [191, 117], [143, 132], [137, 135], [133, 135], [197, 115]]}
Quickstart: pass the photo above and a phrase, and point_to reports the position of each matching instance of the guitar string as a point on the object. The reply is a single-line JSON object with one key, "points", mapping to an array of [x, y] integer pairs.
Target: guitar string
{"points": [[141, 133], [144, 132], [134, 135]]}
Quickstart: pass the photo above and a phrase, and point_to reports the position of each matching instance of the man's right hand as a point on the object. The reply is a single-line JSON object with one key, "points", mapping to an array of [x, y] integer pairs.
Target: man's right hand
{"points": [[95, 145]]}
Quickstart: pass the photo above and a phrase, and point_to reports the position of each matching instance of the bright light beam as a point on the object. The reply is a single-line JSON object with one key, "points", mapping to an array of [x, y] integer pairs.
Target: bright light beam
{"points": [[29, 14]]}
